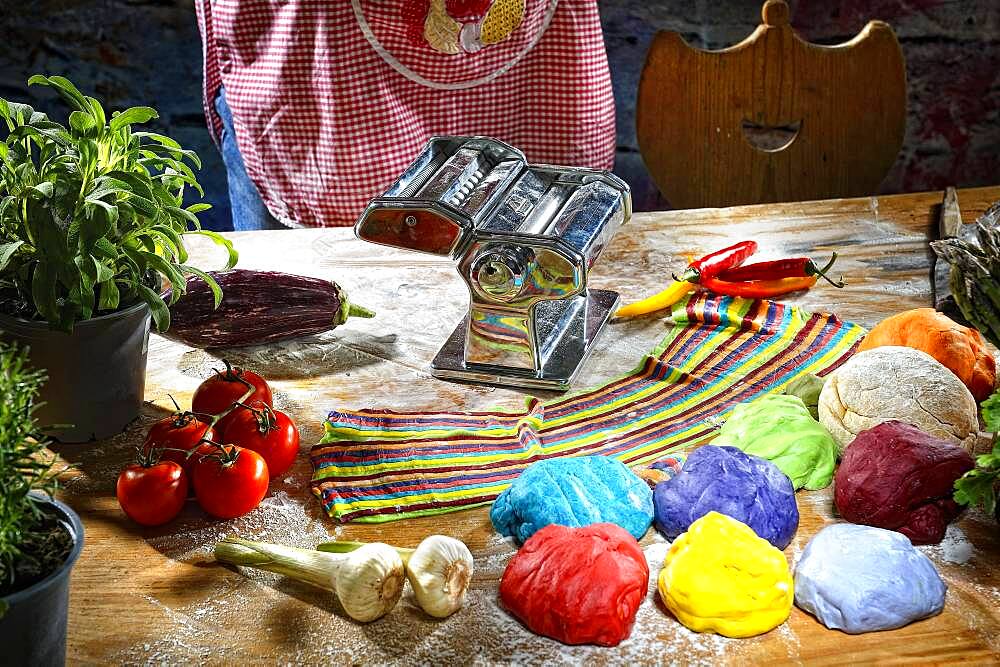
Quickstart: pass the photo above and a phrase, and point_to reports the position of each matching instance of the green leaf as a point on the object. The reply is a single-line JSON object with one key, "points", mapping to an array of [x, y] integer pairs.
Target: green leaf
{"points": [[159, 310], [153, 150], [140, 184], [20, 113], [7, 251], [184, 215], [179, 180], [209, 280], [110, 297], [145, 206], [23, 132], [100, 217], [171, 240], [233, 255], [97, 110], [165, 164], [977, 487], [110, 184], [104, 248], [66, 90], [43, 292], [172, 273], [199, 207], [45, 233], [83, 123], [82, 292], [991, 412], [161, 139], [132, 116], [44, 189], [87, 148]]}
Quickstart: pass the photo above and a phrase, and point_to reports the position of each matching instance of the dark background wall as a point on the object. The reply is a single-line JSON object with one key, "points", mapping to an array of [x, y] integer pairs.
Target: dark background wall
{"points": [[148, 52]]}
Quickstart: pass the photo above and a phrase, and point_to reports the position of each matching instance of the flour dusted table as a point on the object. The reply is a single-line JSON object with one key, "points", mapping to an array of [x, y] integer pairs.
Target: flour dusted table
{"points": [[153, 595]]}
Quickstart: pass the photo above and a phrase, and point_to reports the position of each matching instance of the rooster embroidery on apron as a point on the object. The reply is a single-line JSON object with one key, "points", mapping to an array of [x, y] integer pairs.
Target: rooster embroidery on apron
{"points": [[453, 44], [454, 26]]}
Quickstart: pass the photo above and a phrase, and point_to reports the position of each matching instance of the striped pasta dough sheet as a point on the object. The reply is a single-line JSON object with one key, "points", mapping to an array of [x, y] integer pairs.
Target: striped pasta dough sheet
{"points": [[379, 465]]}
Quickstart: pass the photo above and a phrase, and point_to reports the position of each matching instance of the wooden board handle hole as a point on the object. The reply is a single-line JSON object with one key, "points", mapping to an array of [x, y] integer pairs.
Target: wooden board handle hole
{"points": [[771, 138]]}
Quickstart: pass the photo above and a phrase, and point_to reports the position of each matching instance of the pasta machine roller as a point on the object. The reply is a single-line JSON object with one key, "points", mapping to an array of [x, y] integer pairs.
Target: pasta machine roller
{"points": [[524, 238]]}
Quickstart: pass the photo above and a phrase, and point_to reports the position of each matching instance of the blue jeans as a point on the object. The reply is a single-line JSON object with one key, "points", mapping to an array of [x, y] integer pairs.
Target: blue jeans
{"points": [[248, 209]]}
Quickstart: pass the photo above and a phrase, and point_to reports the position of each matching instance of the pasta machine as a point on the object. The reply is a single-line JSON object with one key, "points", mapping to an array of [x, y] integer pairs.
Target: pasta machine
{"points": [[524, 238]]}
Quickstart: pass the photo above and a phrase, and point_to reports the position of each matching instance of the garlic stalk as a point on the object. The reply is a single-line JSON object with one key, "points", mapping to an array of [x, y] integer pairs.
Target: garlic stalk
{"points": [[439, 570], [368, 581]]}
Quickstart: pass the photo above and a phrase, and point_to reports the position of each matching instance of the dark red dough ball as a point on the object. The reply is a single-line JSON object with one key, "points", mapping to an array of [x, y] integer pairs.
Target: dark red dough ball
{"points": [[896, 476], [577, 585]]}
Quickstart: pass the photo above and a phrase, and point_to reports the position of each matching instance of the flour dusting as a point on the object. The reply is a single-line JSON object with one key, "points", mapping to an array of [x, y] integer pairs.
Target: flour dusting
{"points": [[481, 633], [954, 548]]}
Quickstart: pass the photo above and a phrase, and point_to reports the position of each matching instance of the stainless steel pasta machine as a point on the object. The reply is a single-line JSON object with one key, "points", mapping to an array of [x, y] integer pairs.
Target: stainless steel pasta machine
{"points": [[524, 238]]}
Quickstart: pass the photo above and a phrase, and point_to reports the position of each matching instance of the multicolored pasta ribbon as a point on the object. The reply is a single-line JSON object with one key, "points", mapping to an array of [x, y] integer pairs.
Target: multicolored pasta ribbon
{"points": [[379, 465]]}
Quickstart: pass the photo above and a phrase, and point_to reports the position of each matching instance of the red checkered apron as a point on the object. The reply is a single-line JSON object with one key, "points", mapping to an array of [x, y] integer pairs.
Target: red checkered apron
{"points": [[331, 99]]}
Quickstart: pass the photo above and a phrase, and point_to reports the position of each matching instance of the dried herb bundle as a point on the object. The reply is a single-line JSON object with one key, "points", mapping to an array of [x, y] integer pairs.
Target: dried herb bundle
{"points": [[975, 274]]}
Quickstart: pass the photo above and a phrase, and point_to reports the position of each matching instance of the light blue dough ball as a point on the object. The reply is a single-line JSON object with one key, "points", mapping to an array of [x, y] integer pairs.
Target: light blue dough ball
{"points": [[863, 579], [576, 491]]}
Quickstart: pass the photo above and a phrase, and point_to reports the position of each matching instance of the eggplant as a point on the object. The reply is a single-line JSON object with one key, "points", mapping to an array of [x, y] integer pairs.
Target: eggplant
{"points": [[258, 307]]}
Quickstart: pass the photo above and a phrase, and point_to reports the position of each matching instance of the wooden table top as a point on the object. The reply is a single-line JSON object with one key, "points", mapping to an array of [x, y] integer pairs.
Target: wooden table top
{"points": [[143, 595]]}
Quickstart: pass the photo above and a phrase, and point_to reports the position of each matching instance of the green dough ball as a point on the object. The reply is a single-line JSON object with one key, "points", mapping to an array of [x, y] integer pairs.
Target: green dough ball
{"points": [[779, 428], [807, 387]]}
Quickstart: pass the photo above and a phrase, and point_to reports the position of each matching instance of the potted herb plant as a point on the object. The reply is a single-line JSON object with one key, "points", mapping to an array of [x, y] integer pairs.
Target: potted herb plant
{"points": [[40, 537], [92, 226]]}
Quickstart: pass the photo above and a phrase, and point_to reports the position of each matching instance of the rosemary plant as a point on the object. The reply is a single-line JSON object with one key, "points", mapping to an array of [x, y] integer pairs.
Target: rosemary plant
{"points": [[31, 544]]}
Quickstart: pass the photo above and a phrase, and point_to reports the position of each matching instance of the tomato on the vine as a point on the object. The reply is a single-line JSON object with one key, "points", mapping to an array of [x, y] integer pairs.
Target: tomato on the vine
{"points": [[152, 493], [230, 482], [271, 433], [180, 431], [219, 392]]}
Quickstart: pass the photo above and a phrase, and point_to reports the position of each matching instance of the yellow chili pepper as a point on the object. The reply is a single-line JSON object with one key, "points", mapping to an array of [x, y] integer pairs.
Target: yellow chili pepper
{"points": [[668, 297]]}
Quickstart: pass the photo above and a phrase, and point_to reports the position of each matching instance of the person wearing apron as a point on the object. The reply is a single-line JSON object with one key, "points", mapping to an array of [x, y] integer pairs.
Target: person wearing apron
{"points": [[317, 106]]}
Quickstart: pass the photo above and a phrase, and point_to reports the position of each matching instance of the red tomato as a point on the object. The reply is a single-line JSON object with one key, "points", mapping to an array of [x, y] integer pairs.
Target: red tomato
{"points": [[152, 494], [218, 393], [179, 431], [230, 484], [270, 433]]}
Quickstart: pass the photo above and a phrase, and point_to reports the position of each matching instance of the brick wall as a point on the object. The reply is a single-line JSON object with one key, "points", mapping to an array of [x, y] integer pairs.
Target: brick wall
{"points": [[148, 52], [952, 51]]}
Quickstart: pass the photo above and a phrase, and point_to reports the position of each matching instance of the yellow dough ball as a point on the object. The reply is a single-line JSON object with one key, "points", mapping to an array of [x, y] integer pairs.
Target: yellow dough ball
{"points": [[720, 577]]}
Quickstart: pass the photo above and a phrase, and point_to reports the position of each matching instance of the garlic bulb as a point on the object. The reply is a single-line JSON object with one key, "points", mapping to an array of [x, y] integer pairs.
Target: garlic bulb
{"points": [[368, 581], [439, 570]]}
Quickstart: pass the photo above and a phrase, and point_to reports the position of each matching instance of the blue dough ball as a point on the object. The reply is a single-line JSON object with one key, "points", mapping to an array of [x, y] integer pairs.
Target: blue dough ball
{"points": [[863, 579], [731, 482], [577, 491]]}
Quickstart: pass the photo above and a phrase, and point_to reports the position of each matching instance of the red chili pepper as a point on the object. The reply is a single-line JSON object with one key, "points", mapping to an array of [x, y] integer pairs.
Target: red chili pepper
{"points": [[714, 263], [758, 289], [795, 267]]}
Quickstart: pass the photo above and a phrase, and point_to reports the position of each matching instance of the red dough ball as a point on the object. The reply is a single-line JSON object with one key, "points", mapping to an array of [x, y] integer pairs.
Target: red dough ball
{"points": [[896, 476], [577, 585]]}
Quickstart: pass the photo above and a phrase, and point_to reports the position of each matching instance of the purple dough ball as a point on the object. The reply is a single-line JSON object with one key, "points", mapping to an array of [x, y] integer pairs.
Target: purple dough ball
{"points": [[729, 481]]}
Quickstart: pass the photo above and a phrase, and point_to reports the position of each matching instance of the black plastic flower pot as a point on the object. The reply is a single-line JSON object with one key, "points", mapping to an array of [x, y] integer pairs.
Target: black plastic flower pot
{"points": [[33, 620], [97, 373]]}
